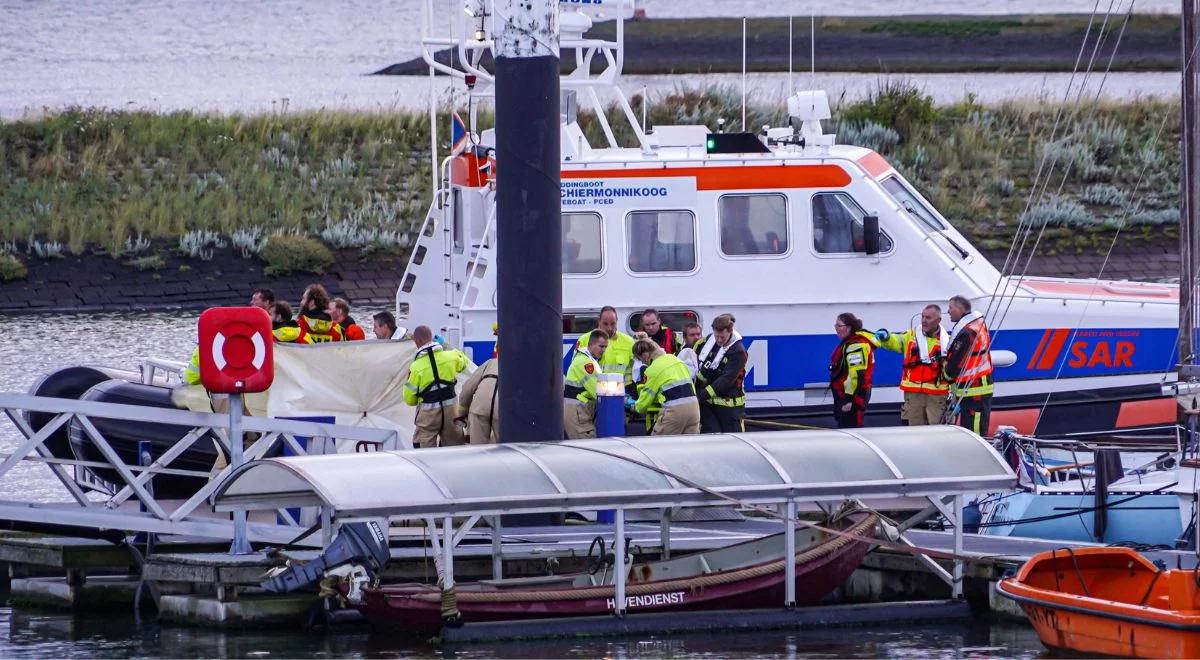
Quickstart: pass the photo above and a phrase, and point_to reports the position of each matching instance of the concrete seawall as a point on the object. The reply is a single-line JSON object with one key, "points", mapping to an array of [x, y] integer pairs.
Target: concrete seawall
{"points": [[97, 283]]}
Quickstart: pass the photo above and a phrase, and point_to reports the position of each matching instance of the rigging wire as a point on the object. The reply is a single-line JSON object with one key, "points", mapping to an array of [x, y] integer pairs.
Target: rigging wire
{"points": [[998, 323], [1022, 218]]}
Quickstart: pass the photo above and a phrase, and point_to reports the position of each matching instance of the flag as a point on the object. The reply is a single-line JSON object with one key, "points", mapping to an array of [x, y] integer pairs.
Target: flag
{"points": [[458, 134]]}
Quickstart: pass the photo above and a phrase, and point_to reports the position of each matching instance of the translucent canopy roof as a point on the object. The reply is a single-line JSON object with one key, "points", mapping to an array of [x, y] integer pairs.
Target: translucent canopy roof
{"points": [[895, 464]]}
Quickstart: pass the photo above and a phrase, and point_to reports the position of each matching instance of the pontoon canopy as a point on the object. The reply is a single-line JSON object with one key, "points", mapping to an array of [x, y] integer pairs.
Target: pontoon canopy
{"points": [[901, 465]]}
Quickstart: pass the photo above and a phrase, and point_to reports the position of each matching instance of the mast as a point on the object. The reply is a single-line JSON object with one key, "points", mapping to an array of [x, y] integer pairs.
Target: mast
{"points": [[528, 220], [1189, 208]]}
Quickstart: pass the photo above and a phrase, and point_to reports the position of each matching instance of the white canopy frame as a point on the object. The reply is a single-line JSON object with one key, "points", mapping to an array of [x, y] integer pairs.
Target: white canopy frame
{"points": [[928, 469]]}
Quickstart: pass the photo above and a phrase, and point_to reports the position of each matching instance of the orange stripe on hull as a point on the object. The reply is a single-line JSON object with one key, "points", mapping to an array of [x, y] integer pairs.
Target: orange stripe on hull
{"points": [[874, 164], [1037, 354], [746, 177], [1150, 412], [1053, 348], [1024, 420]]}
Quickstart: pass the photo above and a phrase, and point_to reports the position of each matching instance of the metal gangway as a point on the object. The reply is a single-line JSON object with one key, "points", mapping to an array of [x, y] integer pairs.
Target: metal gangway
{"points": [[128, 503]]}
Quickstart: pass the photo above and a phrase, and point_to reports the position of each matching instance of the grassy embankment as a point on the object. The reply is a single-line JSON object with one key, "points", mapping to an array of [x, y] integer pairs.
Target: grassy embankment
{"points": [[283, 187]]}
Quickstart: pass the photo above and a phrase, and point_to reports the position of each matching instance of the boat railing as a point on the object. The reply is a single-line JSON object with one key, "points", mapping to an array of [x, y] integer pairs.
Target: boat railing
{"points": [[127, 502], [161, 370]]}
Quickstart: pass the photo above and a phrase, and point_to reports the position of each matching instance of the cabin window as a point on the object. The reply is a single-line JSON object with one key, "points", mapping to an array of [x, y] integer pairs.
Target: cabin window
{"points": [[838, 225], [914, 204], [582, 244], [577, 324], [753, 225], [661, 241], [674, 319]]}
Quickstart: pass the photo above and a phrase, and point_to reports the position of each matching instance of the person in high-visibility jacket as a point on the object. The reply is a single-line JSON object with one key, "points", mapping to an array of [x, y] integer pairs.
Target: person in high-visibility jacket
{"points": [[722, 359], [921, 378], [618, 357], [968, 366], [851, 368], [191, 373], [282, 326], [669, 387], [579, 387], [430, 387], [316, 326]]}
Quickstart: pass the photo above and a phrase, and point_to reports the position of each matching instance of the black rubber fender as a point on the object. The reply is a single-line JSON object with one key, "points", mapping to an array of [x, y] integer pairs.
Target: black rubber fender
{"points": [[69, 383], [124, 436]]}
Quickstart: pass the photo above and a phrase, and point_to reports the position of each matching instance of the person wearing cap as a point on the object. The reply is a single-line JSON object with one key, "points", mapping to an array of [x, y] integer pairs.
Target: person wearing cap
{"points": [[478, 401]]}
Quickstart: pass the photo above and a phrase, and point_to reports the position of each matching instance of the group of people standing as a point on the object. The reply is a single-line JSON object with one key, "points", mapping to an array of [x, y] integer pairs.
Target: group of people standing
{"points": [[946, 375], [682, 385], [320, 319]]}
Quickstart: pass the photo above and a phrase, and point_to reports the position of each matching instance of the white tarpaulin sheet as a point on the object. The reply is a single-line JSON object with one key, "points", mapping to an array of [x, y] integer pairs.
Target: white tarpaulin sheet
{"points": [[357, 383]]}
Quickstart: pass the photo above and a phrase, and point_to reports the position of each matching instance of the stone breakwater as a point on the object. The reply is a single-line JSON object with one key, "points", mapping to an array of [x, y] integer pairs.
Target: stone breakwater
{"points": [[97, 283]]}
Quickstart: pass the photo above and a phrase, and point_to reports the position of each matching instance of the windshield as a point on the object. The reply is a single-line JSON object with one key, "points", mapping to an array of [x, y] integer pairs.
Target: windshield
{"points": [[915, 205]]}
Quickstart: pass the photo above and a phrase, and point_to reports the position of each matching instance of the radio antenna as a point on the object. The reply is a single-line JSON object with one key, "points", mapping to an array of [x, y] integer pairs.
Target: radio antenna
{"points": [[812, 45], [791, 86], [743, 74]]}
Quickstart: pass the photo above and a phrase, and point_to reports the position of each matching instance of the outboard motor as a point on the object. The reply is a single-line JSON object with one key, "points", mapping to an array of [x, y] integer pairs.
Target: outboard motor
{"points": [[365, 544]]}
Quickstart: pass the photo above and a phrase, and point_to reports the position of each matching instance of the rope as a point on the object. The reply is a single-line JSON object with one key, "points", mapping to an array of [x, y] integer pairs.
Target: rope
{"points": [[771, 513], [699, 583], [784, 425]]}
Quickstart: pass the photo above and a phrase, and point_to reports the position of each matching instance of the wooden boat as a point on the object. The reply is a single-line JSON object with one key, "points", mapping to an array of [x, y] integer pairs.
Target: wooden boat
{"points": [[1109, 601], [743, 576]]}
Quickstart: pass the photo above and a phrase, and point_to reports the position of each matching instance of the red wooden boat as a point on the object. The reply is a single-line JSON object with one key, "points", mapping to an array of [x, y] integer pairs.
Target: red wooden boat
{"points": [[743, 576], [1108, 601]]}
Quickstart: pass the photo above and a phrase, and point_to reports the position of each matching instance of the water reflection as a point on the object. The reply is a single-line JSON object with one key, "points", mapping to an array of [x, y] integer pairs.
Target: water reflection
{"points": [[42, 634]]}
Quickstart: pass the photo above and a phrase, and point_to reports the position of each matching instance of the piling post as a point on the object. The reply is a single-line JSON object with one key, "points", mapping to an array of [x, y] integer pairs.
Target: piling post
{"points": [[789, 560], [957, 589], [241, 545], [447, 553], [497, 549], [619, 564], [529, 220]]}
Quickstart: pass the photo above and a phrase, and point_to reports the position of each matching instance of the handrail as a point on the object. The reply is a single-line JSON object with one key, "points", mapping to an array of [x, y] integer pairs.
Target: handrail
{"points": [[128, 412]]}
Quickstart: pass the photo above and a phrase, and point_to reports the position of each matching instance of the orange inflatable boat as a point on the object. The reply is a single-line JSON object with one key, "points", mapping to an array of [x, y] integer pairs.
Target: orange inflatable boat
{"points": [[1109, 601]]}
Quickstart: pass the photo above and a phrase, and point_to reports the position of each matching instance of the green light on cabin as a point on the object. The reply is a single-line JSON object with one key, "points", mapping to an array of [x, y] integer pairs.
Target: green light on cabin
{"points": [[712, 144]]}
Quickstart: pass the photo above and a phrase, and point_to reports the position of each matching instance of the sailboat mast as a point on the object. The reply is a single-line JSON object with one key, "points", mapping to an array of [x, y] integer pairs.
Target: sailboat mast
{"points": [[1189, 222]]}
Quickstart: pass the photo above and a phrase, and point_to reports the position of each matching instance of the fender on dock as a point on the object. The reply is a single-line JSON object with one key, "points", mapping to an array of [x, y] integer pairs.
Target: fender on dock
{"points": [[124, 436]]}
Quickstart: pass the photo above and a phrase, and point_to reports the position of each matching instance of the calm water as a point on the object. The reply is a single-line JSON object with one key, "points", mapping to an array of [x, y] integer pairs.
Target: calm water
{"points": [[296, 54], [42, 634]]}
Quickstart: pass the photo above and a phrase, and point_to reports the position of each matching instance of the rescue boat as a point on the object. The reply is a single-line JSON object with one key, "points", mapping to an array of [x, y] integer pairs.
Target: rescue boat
{"points": [[744, 576], [779, 228], [1108, 601]]}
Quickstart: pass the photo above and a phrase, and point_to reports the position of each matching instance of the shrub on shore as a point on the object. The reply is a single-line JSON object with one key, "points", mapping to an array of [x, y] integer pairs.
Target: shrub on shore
{"points": [[100, 179], [295, 254], [11, 268]]}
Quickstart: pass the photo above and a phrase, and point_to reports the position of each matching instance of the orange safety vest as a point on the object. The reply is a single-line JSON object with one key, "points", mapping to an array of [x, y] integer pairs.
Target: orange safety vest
{"points": [[918, 376], [976, 376]]}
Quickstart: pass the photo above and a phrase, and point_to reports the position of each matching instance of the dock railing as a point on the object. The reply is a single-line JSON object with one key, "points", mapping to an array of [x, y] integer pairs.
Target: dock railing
{"points": [[86, 503]]}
